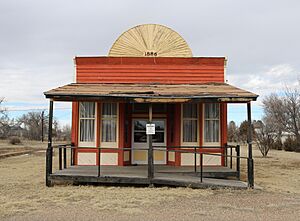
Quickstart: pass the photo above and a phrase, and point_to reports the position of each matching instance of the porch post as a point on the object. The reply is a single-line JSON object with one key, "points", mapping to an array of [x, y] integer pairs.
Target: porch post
{"points": [[49, 152], [249, 140], [150, 149]]}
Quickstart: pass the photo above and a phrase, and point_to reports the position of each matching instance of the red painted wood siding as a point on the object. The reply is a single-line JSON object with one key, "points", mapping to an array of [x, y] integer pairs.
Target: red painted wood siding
{"points": [[149, 70]]}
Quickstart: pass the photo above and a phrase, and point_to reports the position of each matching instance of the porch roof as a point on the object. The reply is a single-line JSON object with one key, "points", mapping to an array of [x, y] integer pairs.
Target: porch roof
{"points": [[140, 93]]}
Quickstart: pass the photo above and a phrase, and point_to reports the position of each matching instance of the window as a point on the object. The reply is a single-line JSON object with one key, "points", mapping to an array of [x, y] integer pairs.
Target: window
{"points": [[190, 123], [159, 136], [87, 122], [139, 133], [109, 122], [211, 123]]}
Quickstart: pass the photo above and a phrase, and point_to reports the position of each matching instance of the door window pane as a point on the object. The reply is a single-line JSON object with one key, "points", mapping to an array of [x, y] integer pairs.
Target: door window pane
{"points": [[159, 125], [158, 137], [140, 125], [140, 137]]}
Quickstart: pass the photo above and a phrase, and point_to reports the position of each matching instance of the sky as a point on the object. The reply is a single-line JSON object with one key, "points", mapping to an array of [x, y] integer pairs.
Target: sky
{"points": [[39, 39]]}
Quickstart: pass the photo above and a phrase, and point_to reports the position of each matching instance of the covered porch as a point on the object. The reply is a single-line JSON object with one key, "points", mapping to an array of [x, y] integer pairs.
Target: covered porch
{"points": [[179, 152]]}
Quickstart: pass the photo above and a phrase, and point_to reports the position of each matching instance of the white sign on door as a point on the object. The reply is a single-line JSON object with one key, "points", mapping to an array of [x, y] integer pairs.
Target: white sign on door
{"points": [[150, 129]]}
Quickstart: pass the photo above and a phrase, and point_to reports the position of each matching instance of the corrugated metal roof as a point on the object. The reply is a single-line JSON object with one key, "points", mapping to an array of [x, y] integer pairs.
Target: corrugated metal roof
{"points": [[221, 92]]}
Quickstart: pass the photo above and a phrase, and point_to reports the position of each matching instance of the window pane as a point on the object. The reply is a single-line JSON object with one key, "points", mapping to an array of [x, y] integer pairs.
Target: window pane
{"points": [[109, 130], [189, 110], [87, 130], [211, 111], [190, 130], [158, 137], [140, 137], [109, 110], [211, 131], [87, 109], [140, 125], [159, 125]]}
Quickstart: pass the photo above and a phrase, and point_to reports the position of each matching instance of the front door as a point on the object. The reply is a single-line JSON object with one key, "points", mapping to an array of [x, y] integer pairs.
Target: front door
{"points": [[140, 140]]}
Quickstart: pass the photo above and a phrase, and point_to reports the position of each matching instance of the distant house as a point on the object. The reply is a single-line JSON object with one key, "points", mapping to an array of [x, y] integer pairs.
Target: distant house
{"points": [[149, 77]]}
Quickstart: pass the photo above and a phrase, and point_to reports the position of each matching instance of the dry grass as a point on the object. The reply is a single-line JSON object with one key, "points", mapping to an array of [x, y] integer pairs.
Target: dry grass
{"points": [[278, 172], [23, 196]]}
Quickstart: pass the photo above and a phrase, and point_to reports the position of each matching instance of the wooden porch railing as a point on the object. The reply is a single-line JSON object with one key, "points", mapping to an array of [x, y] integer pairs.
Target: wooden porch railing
{"points": [[196, 150]]}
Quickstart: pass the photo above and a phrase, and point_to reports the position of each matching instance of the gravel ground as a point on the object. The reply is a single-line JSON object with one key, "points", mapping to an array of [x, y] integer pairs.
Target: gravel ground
{"points": [[23, 196]]}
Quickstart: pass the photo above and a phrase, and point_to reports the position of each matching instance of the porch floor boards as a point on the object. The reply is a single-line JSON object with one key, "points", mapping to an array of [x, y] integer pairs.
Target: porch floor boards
{"points": [[183, 176]]}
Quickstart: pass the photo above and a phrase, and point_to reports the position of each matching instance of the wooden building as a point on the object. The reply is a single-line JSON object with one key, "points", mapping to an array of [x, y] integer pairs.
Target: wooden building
{"points": [[149, 76]]}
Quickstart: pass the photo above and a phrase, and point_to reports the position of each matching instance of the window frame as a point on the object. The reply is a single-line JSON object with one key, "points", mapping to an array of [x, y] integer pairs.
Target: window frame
{"points": [[203, 123], [83, 143], [109, 144], [196, 143]]}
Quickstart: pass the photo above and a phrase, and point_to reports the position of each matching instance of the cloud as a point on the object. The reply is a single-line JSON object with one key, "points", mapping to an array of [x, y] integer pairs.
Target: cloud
{"points": [[39, 39], [266, 81]]}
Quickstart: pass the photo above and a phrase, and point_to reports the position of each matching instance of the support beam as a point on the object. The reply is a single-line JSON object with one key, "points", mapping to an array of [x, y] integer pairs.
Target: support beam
{"points": [[249, 140], [49, 152], [150, 150]]}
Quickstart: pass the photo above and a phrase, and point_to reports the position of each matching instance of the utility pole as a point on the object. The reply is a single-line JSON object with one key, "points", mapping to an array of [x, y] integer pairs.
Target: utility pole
{"points": [[43, 126]]}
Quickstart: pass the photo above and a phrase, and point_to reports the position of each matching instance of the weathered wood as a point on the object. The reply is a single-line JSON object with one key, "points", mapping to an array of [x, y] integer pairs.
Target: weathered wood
{"points": [[201, 168], [59, 158], [99, 163], [195, 161], [250, 173], [150, 150], [49, 152], [250, 160], [65, 158], [137, 175], [213, 92], [150, 40], [238, 162]]}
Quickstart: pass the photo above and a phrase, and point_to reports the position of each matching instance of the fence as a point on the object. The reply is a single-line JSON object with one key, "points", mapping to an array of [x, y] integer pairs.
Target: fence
{"points": [[196, 150]]}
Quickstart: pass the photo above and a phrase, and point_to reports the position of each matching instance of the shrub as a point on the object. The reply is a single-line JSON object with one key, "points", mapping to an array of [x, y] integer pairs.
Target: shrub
{"points": [[14, 140], [290, 144], [277, 145]]}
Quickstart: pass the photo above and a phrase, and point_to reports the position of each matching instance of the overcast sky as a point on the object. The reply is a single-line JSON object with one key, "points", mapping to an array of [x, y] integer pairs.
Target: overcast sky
{"points": [[38, 40]]}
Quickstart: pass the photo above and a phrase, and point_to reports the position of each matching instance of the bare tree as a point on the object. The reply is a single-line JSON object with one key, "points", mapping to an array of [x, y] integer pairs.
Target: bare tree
{"points": [[265, 138], [243, 131], [282, 113], [232, 132], [32, 123], [274, 116], [4, 121], [292, 111]]}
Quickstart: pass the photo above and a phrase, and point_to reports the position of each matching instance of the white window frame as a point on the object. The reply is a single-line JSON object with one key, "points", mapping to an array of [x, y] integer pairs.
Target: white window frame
{"points": [[203, 123], [82, 143], [110, 144], [190, 143]]}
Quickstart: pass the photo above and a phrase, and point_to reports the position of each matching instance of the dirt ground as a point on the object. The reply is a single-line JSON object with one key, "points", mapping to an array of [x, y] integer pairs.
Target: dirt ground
{"points": [[6, 147], [23, 195]]}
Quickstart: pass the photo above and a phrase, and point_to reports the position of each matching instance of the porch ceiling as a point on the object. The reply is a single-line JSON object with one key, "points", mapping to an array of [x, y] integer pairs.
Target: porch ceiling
{"points": [[208, 92]]}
